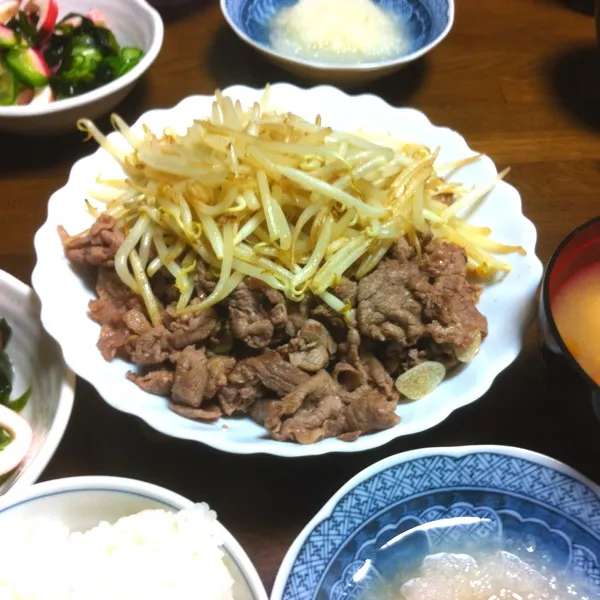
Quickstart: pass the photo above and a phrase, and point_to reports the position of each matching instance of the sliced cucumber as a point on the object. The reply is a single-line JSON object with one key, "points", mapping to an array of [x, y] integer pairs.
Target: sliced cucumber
{"points": [[9, 86], [28, 65]]}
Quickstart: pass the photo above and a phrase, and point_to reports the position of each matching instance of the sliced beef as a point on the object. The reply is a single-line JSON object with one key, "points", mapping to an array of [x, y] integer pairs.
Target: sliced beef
{"points": [[191, 377], [312, 349], [258, 377], [311, 412], [449, 303], [368, 411], [157, 382], [321, 408], [96, 248], [136, 321], [377, 376], [298, 313], [332, 319], [192, 328], [402, 251], [249, 321], [388, 310], [218, 368], [114, 300], [111, 339], [205, 413], [151, 348], [349, 377], [444, 258]]}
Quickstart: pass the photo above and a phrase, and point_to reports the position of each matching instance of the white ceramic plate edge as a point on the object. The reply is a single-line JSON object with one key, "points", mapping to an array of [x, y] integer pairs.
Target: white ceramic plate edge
{"points": [[76, 360], [63, 414]]}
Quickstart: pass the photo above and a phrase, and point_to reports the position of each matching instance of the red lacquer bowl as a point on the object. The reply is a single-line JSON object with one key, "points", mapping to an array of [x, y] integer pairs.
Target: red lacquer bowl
{"points": [[579, 249]]}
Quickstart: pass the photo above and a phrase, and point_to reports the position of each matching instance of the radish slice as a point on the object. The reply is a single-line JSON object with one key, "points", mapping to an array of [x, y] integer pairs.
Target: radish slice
{"points": [[8, 10], [25, 96], [43, 95], [47, 13], [22, 436]]}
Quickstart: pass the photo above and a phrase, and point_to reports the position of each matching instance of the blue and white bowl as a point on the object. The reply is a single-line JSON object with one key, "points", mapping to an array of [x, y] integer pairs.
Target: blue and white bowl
{"points": [[428, 22], [506, 498]]}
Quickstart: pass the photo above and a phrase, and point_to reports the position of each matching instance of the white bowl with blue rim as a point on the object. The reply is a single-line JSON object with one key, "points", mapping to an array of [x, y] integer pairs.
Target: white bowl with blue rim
{"points": [[506, 499], [427, 23], [82, 502]]}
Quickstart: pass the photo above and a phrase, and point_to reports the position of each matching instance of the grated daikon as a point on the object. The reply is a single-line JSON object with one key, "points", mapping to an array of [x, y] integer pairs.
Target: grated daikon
{"points": [[338, 31]]}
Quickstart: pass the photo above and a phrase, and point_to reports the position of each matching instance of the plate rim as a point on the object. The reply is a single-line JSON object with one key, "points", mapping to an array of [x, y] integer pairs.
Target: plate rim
{"points": [[66, 397], [407, 456], [266, 445]]}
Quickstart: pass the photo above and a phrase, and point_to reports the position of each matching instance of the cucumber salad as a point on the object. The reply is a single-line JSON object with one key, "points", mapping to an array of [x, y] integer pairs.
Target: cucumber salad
{"points": [[43, 59]]}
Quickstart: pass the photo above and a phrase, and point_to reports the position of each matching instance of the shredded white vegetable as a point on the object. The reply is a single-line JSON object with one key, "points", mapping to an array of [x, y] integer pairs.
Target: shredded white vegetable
{"points": [[273, 196]]}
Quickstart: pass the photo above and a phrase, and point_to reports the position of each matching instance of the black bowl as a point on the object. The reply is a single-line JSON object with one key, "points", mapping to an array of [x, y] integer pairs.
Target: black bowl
{"points": [[579, 249]]}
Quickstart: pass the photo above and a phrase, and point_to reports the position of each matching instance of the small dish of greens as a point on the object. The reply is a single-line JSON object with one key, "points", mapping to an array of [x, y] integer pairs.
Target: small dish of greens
{"points": [[43, 59], [15, 432]]}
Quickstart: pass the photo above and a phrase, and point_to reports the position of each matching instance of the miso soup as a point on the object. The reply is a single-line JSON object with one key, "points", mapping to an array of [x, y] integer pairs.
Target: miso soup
{"points": [[576, 312]]}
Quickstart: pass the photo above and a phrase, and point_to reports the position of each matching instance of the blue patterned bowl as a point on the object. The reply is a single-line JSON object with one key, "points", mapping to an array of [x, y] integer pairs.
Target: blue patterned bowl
{"points": [[504, 499], [427, 22]]}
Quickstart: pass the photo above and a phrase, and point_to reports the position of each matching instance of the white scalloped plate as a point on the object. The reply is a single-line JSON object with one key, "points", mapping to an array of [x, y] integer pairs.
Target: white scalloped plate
{"points": [[509, 305]]}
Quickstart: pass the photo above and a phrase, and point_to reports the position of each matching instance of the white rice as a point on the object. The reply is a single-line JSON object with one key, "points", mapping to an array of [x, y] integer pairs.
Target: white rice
{"points": [[154, 555]]}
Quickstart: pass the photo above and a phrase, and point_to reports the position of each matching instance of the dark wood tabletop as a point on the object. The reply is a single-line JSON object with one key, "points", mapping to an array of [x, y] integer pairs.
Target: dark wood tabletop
{"points": [[520, 79]]}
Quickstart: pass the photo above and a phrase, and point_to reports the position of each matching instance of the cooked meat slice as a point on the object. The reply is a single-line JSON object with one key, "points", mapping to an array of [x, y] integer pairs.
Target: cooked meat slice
{"points": [[191, 377], [449, 303], [251, 377], [278, 310], [157, 382], [399, 358], [320, 408], [114, 299], [298, 313], [313, 348], [313, 411], [332, 319], [350, 346], [369, 411], [249, 321], [346, 291], [113, 302], [150, 348], [348, 377], [387, 308], [206, 413], [218, 368], [136, 321], [96, 248], [377, 376], [112, 338], [444, 258], [192, 328], [402, 251]]}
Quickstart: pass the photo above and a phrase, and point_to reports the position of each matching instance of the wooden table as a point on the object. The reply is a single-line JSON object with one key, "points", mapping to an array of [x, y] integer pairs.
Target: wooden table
{"points": [[520, 80]]}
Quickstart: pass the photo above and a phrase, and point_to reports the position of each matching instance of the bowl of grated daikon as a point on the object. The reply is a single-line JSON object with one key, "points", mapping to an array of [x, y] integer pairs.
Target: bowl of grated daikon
{"points": [[341, 41]]}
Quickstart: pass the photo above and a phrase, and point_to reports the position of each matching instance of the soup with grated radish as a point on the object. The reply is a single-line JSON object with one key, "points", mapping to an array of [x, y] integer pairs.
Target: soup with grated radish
{"points": [[576, 312]]}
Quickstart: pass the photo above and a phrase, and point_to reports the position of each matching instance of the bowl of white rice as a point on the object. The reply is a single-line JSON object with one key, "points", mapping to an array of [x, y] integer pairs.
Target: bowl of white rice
{"points": [[92, 538]]}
